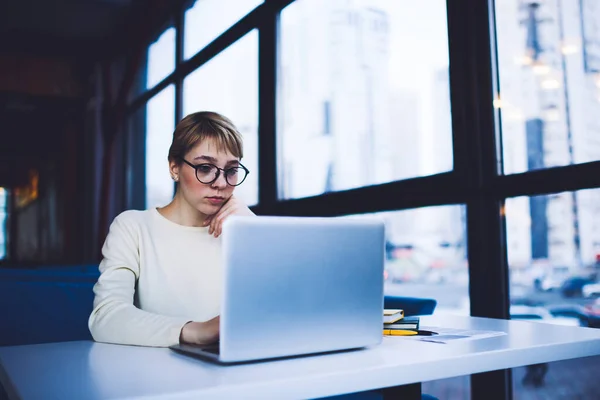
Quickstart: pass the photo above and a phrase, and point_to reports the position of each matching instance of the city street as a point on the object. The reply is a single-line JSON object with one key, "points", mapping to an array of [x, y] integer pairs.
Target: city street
{"points": [[455, 297]]}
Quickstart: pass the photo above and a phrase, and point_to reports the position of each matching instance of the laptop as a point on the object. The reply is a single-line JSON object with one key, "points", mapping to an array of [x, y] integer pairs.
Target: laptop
{"points": [[297, 286]]}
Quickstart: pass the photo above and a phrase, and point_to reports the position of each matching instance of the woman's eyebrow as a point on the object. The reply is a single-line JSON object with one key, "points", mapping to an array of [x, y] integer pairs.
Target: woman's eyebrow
{"points": [[207, 158], [215, 161]]}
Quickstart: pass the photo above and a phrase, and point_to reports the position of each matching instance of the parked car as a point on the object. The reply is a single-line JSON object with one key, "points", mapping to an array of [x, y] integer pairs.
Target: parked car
{"points": [[573, 286], [553, 280], [540, 314], [591, 290], [592, 311], [575, 311]]}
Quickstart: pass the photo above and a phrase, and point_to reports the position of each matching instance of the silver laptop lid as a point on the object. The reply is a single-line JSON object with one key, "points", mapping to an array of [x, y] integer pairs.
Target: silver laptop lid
{"points": [[296, 285]]}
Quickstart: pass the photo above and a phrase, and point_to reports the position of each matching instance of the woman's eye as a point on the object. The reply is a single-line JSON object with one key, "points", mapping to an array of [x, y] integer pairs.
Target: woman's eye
{"points": [[205, 168]]}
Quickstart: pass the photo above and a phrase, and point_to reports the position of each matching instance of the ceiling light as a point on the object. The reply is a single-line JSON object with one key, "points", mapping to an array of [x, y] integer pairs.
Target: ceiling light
{"points": [[540, 69], [569, 49], [550, 84]]}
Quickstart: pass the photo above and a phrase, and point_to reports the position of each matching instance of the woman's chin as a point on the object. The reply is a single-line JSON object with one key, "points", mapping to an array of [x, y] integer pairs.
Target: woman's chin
{"points": [[208, 209]]}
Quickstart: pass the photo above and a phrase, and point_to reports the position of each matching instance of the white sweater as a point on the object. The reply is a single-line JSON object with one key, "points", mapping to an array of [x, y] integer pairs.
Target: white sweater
{"points": [[156, 275]]}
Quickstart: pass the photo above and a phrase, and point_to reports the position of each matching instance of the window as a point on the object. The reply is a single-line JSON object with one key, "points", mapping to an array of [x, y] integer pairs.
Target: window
{"points": [[554, 258], [3, 220], [207, 19], [363, 94], [426, 256], [160, 120], [553, 240], [228, 84], [549, 72], [161, 58]]}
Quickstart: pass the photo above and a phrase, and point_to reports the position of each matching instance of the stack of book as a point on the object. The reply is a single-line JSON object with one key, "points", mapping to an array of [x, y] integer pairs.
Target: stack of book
{"points": [[394, 321]]}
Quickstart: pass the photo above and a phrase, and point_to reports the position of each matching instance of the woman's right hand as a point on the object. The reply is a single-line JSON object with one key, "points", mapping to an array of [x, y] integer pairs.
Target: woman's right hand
{"points": [[201, 333]]}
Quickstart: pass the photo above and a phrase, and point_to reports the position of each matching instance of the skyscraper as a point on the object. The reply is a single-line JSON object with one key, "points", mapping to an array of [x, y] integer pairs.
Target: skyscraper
{"points": [[358, 76], [548, 59]]}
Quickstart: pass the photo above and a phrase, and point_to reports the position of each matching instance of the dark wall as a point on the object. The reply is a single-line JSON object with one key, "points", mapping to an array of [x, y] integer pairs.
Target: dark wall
{"points": [[42, 107], [43, 76], [45, 229]]}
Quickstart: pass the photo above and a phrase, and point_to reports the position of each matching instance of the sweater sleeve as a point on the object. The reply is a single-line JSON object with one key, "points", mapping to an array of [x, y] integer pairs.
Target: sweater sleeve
{"points": [[115, 318]]}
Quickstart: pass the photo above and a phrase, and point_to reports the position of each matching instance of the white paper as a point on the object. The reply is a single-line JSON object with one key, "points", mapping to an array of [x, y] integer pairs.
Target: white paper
{"points": [[446, 335]]}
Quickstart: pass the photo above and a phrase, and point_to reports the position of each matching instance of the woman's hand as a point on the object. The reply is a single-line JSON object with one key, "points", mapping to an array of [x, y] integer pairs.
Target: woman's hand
{"points": [[233, 206], [201, 333]]}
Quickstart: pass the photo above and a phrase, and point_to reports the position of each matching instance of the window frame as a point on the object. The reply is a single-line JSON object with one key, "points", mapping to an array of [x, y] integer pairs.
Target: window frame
{"points": [[476, 180]]}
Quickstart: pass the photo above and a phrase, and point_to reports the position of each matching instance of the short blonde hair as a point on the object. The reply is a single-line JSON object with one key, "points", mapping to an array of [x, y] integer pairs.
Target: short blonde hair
{"points": [[196, 127]]}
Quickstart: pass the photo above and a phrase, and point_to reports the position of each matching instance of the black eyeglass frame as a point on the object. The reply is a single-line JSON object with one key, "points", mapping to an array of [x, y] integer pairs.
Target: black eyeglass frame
{"points": [[196, 167]]}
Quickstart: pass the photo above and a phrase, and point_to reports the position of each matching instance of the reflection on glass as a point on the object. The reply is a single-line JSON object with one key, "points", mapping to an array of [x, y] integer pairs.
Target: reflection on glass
{"points": [[3, 225], [207, 19], [549, 67], [364, 94], [554, 257], [161, 58], [228, 84], [160, 119]]}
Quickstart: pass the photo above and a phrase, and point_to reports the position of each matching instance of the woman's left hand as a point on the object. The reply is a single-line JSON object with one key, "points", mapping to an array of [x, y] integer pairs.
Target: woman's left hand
{"points": [[233, 206]]}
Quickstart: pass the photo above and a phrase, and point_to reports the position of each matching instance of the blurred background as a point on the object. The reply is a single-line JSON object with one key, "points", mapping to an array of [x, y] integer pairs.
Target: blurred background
{"points": [[472, 129]]}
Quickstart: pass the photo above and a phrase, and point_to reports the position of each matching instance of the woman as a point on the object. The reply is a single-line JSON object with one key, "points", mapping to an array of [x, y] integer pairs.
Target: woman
{"points": [[161, 270]]}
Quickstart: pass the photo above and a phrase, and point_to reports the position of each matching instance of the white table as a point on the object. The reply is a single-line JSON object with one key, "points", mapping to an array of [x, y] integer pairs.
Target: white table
{"points": [[87, 370]]}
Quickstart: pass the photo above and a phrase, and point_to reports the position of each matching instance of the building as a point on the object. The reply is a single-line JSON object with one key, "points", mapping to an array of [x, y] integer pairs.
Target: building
{"points": [[548, 65]]}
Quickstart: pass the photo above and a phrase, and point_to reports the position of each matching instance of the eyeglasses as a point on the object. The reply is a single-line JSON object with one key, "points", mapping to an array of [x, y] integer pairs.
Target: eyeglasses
{"points": [[209, 173]]}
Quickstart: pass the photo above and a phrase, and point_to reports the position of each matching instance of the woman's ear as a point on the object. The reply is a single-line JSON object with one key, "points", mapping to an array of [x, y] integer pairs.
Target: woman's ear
{"points": [[174, 170]]}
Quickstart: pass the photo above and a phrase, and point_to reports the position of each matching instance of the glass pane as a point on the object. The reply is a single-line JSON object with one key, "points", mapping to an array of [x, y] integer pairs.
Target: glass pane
{"points": [[569, 379], [458, 388], [363, 94], [161, 58], [228, 84], [160, 120], [207, 19], [549, 67], [426, 257], [554, 259]]}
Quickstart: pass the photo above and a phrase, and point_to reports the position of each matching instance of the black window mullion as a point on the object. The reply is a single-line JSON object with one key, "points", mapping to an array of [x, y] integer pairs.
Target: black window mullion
{"points": [[441, 189], [549, 180], [279, 5], [470, 32], [179, 38], [185, 67], [267, 110]]}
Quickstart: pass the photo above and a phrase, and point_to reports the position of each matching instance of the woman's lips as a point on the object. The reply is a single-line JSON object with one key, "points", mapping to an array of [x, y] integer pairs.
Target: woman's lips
{"points": [[215, 200]]}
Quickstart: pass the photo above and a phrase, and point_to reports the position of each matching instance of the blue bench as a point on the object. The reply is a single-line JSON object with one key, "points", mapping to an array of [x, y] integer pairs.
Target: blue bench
{"points": [[46, 305], [410, 305]]}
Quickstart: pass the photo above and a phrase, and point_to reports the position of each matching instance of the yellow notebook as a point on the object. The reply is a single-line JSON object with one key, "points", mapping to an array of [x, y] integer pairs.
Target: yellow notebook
{"points": [[392, 315]]}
